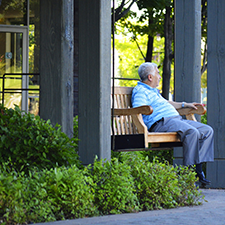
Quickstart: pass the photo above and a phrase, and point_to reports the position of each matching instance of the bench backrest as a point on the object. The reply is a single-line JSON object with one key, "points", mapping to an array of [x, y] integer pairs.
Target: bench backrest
{"points": [[122, 100]]}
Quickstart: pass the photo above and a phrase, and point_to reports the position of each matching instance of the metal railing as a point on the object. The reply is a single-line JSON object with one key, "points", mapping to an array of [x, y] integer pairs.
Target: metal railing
{"points": [[15, 90], [123, 78]]}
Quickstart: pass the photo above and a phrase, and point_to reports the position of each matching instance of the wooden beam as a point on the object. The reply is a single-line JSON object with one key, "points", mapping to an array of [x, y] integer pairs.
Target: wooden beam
{"points": [[56, 63], [215, 88], [94, 80]]}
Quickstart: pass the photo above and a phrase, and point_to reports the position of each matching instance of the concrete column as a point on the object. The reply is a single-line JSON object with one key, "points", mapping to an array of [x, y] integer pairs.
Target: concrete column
{"points": [[187, 55], [216, 91], [56, 63], [94, 79]]}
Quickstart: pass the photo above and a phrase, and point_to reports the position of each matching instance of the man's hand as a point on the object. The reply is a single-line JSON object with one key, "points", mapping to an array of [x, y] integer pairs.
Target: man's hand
{"points": [[178, 105], [191, 105]]}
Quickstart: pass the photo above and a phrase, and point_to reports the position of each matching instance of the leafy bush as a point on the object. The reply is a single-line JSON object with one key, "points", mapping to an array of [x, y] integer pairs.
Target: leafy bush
{"points": [[23, 199], [75, 127], [49, 195], [161, 155], [160, 185], [189, 193], [104, 188], [29, 141], [114, 190], [71, 192], [204, 118]]}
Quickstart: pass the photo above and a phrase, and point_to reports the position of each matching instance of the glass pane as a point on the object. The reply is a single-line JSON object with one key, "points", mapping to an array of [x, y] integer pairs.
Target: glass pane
{"points": [[34, 52], [34, 37], [11, 62], [13, 12]]}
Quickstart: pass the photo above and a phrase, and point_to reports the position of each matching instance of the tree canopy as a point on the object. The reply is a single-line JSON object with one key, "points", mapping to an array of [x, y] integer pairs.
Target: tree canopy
{"points": [[142, 27]]}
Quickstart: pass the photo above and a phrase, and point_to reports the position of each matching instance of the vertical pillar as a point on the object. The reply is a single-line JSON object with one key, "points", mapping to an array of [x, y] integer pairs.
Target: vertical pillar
{"points": [[215, 89], [94, 79], [76, 57], [56, 63], [187, 55]]}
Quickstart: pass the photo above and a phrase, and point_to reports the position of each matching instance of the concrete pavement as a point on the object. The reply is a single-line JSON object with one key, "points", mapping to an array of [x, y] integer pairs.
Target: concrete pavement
{"points": [[211, 212]]}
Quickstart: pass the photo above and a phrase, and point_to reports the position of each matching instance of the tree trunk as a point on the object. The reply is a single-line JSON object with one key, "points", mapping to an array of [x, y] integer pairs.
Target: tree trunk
{"points": [[148, 57], [167, 58]]}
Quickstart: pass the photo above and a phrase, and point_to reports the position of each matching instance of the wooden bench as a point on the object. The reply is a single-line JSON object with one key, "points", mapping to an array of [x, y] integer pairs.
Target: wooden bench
{"points": [[130, 133]]}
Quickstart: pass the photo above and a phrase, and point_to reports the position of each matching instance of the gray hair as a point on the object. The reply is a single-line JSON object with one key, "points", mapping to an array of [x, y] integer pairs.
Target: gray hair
{"points": [[145, 69]]}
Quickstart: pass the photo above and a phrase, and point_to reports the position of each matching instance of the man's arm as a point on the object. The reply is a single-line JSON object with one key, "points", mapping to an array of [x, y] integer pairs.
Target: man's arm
{"points": [[178, 105]]}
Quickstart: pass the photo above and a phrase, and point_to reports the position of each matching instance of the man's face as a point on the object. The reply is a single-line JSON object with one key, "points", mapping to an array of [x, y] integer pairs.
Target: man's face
{"points": [[155, 79]]}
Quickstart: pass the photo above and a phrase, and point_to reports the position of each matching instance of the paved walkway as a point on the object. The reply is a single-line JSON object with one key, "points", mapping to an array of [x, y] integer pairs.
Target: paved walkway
{"points": [[211, 212]]}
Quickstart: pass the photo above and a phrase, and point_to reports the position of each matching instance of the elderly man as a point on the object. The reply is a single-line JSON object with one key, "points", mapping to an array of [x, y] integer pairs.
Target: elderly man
{"points": [[197, 138]]}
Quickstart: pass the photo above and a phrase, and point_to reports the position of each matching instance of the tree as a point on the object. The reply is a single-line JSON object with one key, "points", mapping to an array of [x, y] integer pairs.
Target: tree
{"points": [[130, 57], [153, 21], [122, 10], [204, 35], [168, 34], [157, 18]]}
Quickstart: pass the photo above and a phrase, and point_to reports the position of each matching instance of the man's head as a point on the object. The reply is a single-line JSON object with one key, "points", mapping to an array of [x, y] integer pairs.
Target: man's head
{"points": [[149, 74]]}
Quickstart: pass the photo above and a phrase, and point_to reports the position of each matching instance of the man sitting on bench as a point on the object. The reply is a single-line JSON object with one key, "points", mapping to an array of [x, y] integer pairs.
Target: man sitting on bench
{"points": [[197, 138]]}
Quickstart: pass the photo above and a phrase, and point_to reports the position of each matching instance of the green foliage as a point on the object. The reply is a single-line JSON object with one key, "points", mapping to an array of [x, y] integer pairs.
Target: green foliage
{"points": [[148, 20], [160, 185], [130, 57], [72, 192], [204, 118], [161, 155], [22, 199], [75, 127], [28, 141], [153, 11], [189, 193], [48, 195], [130, 184], [115, 190]]}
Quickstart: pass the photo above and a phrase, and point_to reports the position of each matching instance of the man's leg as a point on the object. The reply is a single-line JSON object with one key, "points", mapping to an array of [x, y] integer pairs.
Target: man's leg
{"points": [[206, 141], [189, 136], [206, 150], [197, 141]]}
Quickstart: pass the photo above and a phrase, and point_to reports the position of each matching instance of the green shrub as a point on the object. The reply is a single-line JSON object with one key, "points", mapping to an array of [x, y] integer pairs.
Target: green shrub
{"points": [[48, 195], [104, 188], [75, 127], [114, 190], [10, 192], [204, 118], [29, 141], [161, 155], [160, 185], [189, 193], [23, 200], [71, 193]]}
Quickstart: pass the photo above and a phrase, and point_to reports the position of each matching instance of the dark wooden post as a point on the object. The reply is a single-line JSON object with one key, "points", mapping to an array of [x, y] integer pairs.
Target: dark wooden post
{"points": [[187, 55], [216, 90], [94, 79], [56, 63]]}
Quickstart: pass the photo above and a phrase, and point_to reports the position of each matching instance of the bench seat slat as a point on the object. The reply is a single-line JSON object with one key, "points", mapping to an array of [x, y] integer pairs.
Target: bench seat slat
{"points": [[161, 137]]}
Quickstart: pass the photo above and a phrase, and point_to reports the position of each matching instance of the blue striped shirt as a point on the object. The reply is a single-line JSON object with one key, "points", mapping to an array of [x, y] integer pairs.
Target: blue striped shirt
{"points": [[143, 94]]}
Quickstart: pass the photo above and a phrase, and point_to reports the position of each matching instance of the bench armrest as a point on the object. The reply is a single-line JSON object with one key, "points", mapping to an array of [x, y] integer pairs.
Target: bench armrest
{"points": [[201, 110], [145, 109], [189, 112]]}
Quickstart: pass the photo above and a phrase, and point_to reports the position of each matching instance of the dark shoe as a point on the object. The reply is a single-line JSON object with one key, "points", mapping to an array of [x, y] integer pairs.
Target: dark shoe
{"points": [[202, 178]]}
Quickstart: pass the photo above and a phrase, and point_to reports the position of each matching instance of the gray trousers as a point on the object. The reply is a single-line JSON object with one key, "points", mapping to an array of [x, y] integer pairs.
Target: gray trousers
{"points": [[197, 138]]}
